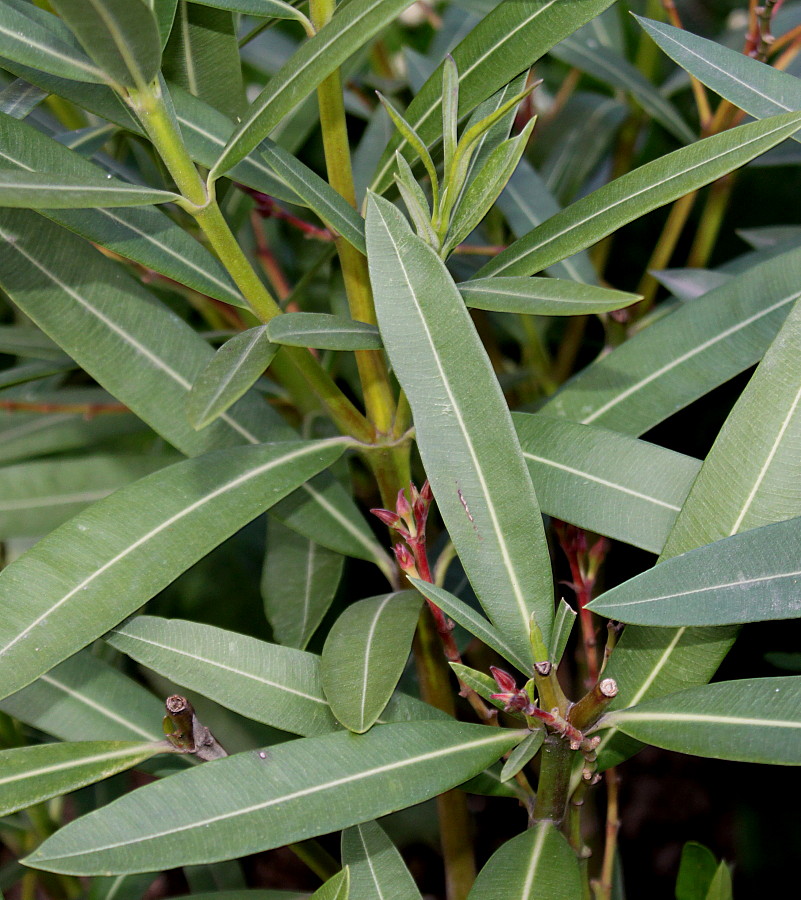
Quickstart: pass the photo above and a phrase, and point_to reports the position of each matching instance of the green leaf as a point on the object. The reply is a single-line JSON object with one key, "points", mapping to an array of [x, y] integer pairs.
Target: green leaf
{"points": [[377, 870], [523, 753], [298, 583], [365, 654], [324, 331], [42, 190], [336, 888], [39, 39], [350, 28], [721, 886], [759, 89], [463, 426], [247, 803], [122, 887], [562, 626], [20, 98], [606, 209], [164, 11], [481, 683], [268, 9], [230, 373], [38, 496], [542, 296], [121, 36], [749, 577], [473, 622], [684, 355], [415, 201], [537, 863], [84, 698], [450, 110], [509, 39], [316, 193], [276, 685], [102, 565], [696, 871], [604, 481], [29, 775], [754, 720]]}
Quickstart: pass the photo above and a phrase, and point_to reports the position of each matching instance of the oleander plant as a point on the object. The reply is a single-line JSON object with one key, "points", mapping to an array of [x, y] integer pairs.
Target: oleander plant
{"points": [[400, 419]]}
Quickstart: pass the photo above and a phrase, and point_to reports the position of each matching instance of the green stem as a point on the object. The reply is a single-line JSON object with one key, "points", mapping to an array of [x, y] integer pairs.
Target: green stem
{"points": [[717, 203], [316, 857], [663, 251], [553, 791]]}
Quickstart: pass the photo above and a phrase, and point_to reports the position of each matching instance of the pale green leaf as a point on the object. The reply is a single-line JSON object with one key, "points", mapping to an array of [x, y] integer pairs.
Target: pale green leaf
{"points": [[336, 888], [377, 871], [365, 654], [654, 184], [563, 623], [523, 753], [231, 372], [29, 775], [450, 110], [721, 886], [42, 190], [324, 331], [755, 720], [482, 684], [416, 202], [20, 98], [254, 801], [272, 9], [464, 430], [537, 863], [542, 296]]}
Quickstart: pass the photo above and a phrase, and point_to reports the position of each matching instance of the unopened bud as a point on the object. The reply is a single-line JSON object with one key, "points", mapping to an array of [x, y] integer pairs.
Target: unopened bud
{"points": [[503, 679], [405, 558], [402, 506], [389, 518]]}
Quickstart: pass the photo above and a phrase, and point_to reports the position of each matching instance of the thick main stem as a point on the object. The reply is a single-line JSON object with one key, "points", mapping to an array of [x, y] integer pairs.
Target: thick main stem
{"points": [[553, 791]]}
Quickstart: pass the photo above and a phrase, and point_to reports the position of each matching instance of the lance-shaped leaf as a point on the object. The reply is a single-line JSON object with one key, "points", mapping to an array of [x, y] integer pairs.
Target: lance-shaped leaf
{"points": [[683, 356], [755, 720], [39, 39], [121, 37], [254, 801], [597, 215], [29, 775], [542, 296], [20, 98], [336, 888], [563, 623], [298, 583], [482, 684], [509, 39], [38, 496], [464, 430], [741, 485], [84, 698], [377, 870], [90, 573], [604, 481], [316, 193], [233, 370], [272, 9], [365, 654], [269, 683], [351, 28], [523, 753], [750, 577], [323, 331], [41, 190], [759, 89], [537, 863]]}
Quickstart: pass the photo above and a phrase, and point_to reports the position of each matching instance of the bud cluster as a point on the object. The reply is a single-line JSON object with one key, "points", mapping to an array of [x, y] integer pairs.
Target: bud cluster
{"points": [[409, 520]]}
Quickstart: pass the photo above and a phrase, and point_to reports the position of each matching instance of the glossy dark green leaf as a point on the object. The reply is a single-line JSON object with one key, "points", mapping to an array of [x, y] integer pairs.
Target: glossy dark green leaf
{"points": [[463, 428], [29, 775], [654, 184], [323, 331], [254, 801], [122, 37], [542, 296], [365, 654], [754, 720], [41, 190], [377, 870]]}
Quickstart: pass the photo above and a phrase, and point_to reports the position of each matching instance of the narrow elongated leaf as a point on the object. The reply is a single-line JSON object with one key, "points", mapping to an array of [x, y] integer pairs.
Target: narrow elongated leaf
{"points": [[39, 39], [85, 699], [563, 623], [721, 886], [273, 9], [505, 42], [103, 564], [754, 720], [336, 888], [377, 871], [40, 190], [351, 28], [316, 193], [759, 89], [464, 429], [365, 654], [29, 775], [523, 753], [482, 684], [36, 497], [542, 296], [604, 481], [122, 887], [591, 218], [233, 370], [298, 583], [749, 577], [276, 685], [537, 863], [121, 37], [683, 356], [247, 803], [20, 98], [324, 331]]}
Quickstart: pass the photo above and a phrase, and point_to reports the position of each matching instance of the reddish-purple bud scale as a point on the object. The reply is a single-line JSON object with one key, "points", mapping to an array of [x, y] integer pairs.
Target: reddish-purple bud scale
{"points": [[503, 679]]}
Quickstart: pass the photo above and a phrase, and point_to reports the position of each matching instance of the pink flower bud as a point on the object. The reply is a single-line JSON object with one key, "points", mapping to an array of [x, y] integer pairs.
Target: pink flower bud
{"points": [[405, 558], [389, 518], [503, 679]]}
